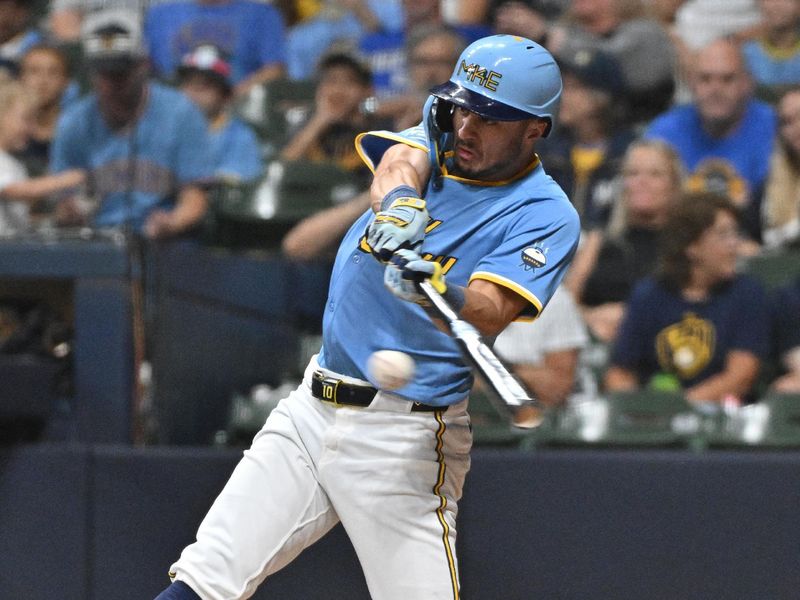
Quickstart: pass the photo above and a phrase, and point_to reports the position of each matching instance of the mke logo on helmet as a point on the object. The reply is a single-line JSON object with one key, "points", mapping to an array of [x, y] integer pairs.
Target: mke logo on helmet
{"points": [[486, 78]]}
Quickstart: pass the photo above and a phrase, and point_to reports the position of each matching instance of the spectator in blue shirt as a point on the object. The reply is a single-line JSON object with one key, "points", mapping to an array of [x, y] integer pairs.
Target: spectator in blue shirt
{"points": [[204, 76], [144, 146], [698, 321], [774, 58], [250, 33], [725, 136]]}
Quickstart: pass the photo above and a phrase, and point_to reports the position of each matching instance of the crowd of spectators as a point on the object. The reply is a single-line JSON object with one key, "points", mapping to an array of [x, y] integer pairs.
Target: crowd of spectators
{"points": [[678, 143]]}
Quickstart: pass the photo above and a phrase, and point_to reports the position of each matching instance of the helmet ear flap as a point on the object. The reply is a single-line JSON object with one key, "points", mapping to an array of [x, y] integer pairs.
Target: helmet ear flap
{"points": [[442, 113]]}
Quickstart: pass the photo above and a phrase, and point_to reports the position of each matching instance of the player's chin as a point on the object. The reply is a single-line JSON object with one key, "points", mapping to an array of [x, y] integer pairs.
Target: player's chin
{"points": [[467, 169]]}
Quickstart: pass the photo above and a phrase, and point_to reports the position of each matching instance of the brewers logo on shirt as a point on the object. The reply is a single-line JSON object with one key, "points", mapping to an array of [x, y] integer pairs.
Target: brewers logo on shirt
{"points": [[686, 348]]}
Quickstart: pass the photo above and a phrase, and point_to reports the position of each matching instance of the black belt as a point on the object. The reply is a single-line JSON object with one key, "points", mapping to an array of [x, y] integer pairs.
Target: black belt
{"points": [[336, 391]]}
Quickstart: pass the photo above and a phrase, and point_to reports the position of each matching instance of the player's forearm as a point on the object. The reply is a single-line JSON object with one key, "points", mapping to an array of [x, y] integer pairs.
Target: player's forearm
{"points": [[401, 165], [489, 307]]}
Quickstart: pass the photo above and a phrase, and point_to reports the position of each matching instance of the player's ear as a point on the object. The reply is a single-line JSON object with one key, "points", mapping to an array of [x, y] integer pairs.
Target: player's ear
{"points": [[536, 128]]}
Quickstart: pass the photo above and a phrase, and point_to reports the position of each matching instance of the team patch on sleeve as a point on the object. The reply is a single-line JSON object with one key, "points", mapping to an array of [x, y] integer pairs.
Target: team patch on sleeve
{"points": [[533, 258]]}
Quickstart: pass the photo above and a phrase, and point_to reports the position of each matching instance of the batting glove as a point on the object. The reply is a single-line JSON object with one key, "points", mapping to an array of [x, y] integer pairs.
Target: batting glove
{"points": [[405, 269], [399, 224]]}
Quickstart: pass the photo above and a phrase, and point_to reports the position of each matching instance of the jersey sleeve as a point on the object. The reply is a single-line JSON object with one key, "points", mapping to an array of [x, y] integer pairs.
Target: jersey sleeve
{"points": [[534, 256], [372, 144]]}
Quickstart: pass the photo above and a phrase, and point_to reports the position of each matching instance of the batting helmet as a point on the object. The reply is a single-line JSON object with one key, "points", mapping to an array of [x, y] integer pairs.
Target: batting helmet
{"points": [[501, 78]]}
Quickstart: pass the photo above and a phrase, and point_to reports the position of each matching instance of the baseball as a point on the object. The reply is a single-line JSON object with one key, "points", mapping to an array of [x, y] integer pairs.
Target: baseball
{"points": [[390, 369]]}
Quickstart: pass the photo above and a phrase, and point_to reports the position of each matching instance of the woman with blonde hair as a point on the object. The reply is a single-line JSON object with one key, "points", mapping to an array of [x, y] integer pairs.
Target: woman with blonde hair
{"points": [[781, 204], [610, 261]]}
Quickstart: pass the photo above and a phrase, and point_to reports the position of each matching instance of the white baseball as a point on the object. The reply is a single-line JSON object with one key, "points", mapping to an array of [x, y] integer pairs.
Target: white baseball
{"points": [[390, 369]]}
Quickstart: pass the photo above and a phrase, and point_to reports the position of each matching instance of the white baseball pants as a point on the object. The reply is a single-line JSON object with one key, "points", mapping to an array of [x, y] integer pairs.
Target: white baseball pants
{"points": [[393, 477]]}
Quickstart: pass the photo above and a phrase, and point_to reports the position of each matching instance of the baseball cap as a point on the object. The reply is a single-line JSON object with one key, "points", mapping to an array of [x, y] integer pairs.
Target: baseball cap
{"points": [[112, 39], [208, 60], [594, 68]]}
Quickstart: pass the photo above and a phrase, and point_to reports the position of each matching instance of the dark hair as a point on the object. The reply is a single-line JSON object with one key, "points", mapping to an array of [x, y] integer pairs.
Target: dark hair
{"points": [[342, 59], [689, 219]]}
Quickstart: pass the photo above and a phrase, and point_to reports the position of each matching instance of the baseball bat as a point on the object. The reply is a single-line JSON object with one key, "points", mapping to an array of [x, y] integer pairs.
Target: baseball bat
{"points": [[506, 393]]}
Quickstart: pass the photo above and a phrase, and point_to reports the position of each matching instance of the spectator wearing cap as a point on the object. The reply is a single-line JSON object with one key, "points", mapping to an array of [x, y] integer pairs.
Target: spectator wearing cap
{"points": [[204, 76], [66, 16], [144, 146], [585, 153], [251, 34], [725, 136]]}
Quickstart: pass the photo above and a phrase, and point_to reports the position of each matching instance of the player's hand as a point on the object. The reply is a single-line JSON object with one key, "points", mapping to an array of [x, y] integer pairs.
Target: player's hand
{"points": [[405, 269], [400, 223]]}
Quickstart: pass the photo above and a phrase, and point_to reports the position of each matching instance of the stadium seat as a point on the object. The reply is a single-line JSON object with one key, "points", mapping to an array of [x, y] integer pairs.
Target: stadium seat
{"points": [[774, 268], [262, 211], [273, 108], [773, 422], [638, 418]]}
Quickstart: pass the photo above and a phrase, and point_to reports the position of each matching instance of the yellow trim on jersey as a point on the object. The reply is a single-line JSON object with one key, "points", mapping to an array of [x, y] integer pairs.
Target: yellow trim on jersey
{"points": [[519, 175], [387, 136], [513, 286], [437, 490]]}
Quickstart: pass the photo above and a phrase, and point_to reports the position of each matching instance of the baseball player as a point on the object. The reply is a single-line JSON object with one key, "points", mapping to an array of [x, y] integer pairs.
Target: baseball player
{"points": [[463, 201]]}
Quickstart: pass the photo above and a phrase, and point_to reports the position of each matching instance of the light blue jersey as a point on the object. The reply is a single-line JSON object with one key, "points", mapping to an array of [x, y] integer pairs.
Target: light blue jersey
{"points": [[520, 234]]}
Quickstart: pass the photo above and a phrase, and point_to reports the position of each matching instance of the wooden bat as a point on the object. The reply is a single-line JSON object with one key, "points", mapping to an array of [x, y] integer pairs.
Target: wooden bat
{"points": [[506, 393]]}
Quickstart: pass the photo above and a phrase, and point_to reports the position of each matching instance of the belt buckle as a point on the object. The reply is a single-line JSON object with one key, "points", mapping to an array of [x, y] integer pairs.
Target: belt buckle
{"points": [[330, 388]]}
